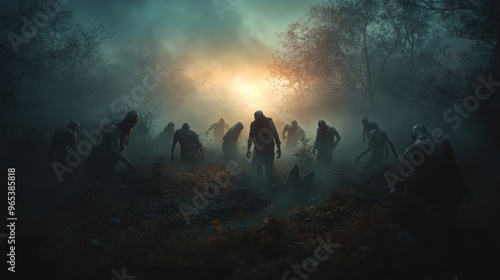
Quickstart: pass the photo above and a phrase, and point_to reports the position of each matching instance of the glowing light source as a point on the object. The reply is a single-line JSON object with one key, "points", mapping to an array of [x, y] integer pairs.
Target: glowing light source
{"points": [[248, 91]]}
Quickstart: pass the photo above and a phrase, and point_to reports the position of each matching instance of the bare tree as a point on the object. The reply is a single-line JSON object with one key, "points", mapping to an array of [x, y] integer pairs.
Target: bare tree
{"points": [[59, 51], [142, 63], [370, 47]]}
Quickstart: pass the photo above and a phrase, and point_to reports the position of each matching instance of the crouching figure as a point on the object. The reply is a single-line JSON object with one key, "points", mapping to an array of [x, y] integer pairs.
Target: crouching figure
{"points": [[432, 185]]}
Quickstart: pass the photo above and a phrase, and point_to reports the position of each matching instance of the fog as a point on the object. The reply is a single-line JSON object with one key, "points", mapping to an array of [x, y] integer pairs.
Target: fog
{"points": [[397, 63], [215, 68]]}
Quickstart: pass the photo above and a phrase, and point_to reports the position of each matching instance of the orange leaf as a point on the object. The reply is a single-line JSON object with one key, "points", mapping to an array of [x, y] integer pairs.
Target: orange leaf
{"points": [[214, 222]]}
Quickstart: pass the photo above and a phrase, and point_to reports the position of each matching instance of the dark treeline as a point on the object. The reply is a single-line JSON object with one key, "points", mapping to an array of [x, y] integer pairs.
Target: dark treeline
{"points": [[427, 53]]}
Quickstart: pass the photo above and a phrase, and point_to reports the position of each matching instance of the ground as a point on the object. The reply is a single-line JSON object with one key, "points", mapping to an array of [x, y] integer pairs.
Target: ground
{"points": [[142, 223]]}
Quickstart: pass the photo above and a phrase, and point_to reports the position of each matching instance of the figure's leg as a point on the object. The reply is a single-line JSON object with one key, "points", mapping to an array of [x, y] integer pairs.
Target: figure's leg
{"points": [[256, 165], [319, 159], [226, 152], [233, 154], [328, 159], [269, 165]]}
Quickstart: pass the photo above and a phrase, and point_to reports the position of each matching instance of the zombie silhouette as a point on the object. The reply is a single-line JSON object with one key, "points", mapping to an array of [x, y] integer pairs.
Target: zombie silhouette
{"points": [[64, 143], [219, 129], [191, 148], [295, 133], [263, 135], [366, 128], [107, 152], [165, 139], [431, 185], [377, 144], [229, 145], [327, 139]]}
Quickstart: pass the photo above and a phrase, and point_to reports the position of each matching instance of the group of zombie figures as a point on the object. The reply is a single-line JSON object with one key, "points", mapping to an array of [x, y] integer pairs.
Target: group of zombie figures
{"points": [[107, 151], [428, 175], [263, 136], [105, 154]]}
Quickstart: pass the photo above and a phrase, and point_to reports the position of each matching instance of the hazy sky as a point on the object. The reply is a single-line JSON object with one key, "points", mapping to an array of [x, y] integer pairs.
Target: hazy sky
{"points": [[232, 47]]}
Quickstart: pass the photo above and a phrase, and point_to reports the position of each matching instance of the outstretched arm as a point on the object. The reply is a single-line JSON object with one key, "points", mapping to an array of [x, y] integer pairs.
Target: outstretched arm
{"points": [[391, 145], [302, 133], [367, 149], [316, 142], [210, 128], [285, 129], [115, 150], [200, 148], [251, 135], [337, 137], [276, 138], [250, 141]]}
